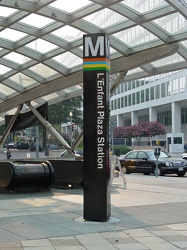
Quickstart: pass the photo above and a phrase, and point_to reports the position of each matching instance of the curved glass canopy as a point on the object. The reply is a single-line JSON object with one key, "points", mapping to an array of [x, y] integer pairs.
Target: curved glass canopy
{"points": [[41, 44]]}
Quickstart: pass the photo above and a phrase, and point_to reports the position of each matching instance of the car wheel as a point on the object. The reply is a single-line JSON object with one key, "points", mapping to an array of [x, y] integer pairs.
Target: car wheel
{"points": [[181, 174]]}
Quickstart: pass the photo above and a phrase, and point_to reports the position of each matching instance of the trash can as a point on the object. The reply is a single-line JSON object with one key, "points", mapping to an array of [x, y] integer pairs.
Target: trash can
{"points": [[26, 176]]}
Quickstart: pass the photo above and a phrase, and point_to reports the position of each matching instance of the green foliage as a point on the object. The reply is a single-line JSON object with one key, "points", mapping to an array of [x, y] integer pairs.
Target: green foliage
{"points": [[123, 150], [59, 112]]}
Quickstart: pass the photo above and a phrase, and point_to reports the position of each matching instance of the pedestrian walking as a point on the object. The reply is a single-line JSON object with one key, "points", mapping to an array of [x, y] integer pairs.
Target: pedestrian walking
{"points": [[185, 148], [8, 153]]}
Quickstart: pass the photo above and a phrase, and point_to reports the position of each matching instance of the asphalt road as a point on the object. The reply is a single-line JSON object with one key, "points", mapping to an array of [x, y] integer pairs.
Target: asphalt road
{"points": [[20, 154]]}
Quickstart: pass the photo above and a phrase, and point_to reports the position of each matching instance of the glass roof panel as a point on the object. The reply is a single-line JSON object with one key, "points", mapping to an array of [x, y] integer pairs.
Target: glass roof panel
{"points": [[184, 43], [18, 58], [4, 69], [68, 33], [145, 5], [22, 79], [134, 71], [129, 32], [41, 45], [6, 90], [72, 89], [172, 23], [12, 111], [33, 103], [135, 36], [36, 20], [11, 34], [5, 12], [70, 5], [103, 18], [168, 60], [50, 96], [68, 59], [43, 70]]}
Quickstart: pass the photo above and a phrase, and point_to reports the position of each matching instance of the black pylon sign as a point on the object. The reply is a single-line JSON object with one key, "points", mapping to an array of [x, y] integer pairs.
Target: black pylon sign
{"points": [[96, 68]]}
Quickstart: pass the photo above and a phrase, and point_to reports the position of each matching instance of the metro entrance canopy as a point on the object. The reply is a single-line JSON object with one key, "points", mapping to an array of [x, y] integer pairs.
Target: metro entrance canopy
{"points": [[41, 45]]}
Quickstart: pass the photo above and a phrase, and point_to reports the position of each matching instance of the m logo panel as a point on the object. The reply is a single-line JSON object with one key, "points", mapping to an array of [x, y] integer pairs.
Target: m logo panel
{"points": [[96, 68]]}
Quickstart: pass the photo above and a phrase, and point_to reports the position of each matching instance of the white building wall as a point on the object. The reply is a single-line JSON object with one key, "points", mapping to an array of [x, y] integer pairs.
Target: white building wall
{"points": [[165, 98]]}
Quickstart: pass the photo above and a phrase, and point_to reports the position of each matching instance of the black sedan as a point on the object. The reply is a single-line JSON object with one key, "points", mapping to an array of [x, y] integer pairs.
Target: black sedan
{"points": [[144, 161]]}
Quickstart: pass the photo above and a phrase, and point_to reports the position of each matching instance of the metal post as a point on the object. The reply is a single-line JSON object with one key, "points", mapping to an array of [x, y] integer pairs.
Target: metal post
{"points": [[37, 142], [71, 115], [156, 166], [157, 153], [112, 142]]}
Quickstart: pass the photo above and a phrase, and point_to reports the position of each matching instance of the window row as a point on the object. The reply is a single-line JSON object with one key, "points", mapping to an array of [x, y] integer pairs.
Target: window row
{"points": [[149, 94]]}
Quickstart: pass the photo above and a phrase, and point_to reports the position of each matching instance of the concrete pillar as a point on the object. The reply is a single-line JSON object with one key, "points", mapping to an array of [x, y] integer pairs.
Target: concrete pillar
{"points": [[176, 117], [120, 120], [134, 117], [134, 120], [152, 114]]}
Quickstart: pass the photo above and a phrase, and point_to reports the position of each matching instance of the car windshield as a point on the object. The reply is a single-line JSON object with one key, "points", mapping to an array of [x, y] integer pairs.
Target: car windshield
{"points": [[162, 154]]}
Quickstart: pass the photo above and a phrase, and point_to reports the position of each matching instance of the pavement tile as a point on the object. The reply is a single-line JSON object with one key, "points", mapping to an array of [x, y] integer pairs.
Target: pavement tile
{"points": [[7, 236], [65, 242], [178, 226], [136, 246], [37, 248], [10, 245], [89, 240], [36, 243], [70, 248], [180, 244], [138, 232], [114, 234], [148, 220]]}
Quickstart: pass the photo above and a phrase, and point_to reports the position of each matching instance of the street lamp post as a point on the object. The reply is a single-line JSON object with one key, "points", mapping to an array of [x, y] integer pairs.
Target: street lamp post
{"points": [[71, 115]]}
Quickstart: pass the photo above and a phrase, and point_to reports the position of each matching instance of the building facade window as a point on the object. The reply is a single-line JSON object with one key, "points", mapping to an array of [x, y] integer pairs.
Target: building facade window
{"points": [[122, 102], [133, 99], [163, 90], [157, 91], [152, 93], [137, 97], [142, 96], [144, 118], [126, 102], [184, 116], [165, 118], [147, 95]]}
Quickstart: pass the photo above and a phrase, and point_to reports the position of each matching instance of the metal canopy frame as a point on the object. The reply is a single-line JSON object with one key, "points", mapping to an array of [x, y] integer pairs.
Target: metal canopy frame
{"points": [[42, 60]]}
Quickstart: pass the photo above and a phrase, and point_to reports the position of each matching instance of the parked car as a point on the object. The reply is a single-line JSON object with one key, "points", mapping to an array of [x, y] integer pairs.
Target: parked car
{"points": [[33, 146], [78, 152], [144, 161], [12, 145], [23, 145], [5, 144], [50, 147], [184, 156]]}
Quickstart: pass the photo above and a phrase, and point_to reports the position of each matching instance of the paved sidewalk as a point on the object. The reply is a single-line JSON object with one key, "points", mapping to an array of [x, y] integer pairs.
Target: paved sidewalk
{"points": [[151, 213]]}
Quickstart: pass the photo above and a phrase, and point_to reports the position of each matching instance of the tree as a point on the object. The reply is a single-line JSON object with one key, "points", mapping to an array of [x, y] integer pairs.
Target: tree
{"points": [[59, 112], [137, 131]]}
